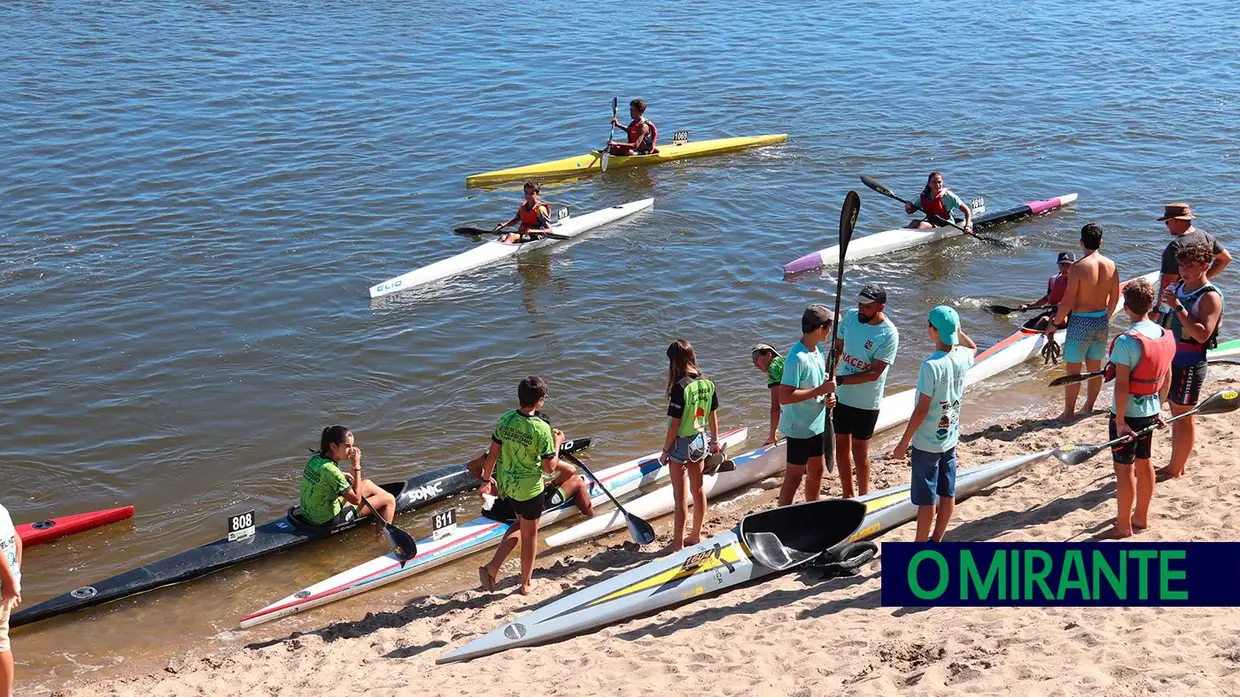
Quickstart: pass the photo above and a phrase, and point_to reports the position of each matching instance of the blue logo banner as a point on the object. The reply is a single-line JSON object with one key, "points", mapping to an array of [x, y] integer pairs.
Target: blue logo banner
{"points": [[1079, 574]]}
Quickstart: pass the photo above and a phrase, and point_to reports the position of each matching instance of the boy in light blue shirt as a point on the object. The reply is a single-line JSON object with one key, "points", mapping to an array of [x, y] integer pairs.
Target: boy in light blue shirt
{"points": [[805, 394], [934, 428]]}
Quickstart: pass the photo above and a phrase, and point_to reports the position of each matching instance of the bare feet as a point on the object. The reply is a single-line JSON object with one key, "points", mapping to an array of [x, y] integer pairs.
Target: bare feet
{"points": [[1065, 415], [1117, 533], [1139, 528], [486, 580], [527, 587], [690, 541]]}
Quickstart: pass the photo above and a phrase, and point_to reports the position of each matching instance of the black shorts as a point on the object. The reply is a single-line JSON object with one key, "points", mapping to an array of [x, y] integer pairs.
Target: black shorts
{"points": [[1186, 381], [506, 510], [1127, 452], [851, 421], [800, 450]]}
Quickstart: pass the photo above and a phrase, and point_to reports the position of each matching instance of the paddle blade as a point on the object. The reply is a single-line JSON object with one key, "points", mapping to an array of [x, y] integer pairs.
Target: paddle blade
{"points": [[1076, 453], [402, 543], [1001, 309], [878, 186], [639, 530], [471, 231], [615, 106], [1069, 379], [1220, 403], [828, 443], [848, 221]]}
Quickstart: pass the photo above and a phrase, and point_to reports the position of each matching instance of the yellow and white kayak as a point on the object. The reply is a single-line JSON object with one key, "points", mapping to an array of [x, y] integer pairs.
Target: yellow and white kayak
{"points": [[591, 162]]}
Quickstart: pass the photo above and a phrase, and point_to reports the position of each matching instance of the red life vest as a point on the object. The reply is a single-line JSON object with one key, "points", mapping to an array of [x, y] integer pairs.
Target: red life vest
{"points": [[935, 207], [1156, 356], [529, 218], [652, 136], [1056, 288]]}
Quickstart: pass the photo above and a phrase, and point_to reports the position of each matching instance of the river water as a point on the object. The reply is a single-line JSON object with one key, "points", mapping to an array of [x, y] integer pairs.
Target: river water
{"points": [[194, 199]]}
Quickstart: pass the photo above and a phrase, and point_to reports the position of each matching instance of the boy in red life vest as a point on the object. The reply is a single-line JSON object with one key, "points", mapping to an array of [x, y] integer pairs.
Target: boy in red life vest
{"points": [[938, 202], [643, 135], [534, 217], [1140, 358]]}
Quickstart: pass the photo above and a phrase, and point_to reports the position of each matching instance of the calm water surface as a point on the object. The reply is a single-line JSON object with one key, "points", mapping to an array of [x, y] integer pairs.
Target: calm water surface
{"points": [[195, 198]]}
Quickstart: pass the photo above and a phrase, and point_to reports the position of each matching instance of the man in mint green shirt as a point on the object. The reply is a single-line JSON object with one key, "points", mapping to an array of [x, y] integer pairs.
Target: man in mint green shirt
{"points": [[934, 428], [804, 397], [867, 346]]}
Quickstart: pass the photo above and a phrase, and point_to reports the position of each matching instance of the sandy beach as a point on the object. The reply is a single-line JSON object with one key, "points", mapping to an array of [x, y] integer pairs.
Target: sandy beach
{"points": [[796, 635]]}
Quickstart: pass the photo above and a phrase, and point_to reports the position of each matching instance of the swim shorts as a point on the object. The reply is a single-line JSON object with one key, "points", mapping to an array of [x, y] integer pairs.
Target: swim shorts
{"points": [[1087, 337], [1126, 453]]}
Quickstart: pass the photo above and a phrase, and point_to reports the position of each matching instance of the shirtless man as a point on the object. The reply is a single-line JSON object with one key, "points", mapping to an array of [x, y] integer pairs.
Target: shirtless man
{"points": [[1091, 299]]}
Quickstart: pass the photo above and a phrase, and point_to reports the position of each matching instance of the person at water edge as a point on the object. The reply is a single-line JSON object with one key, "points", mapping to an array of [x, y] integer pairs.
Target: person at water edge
{"points": [[1196, 312], [805, 395], [533, 218], [565, 484], [1056, 287], [10, 594], [1179, 218], [328, 495], [934, 428], [693, 405], [525, 448], [938, 202], [867, 346], [643, 135], [1140, 358], [767, 359], [1091, 298]]}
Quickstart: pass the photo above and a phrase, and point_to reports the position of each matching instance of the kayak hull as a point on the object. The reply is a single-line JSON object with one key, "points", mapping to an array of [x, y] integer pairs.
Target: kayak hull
{"points": [[272, 537], [722, 562], [591, 162], [493, 251], [905, 238], [38, 532], [468, 538]]}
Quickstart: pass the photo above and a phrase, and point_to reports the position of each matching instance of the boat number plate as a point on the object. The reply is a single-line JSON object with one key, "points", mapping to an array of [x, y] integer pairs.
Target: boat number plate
{"points": [[241, 526], [977, 204], [680, 137], [443, 523]]}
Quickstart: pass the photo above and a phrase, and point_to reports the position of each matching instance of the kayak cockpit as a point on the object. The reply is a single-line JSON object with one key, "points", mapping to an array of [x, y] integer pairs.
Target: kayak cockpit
{"points": [[788, 536]]}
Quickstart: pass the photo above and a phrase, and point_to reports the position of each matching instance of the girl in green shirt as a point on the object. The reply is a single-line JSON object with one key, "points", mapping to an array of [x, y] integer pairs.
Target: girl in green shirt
{"points": [[692, 405]]}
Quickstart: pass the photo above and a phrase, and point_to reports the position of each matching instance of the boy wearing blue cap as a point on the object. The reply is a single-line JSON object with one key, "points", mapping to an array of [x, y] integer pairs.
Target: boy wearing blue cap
{"points": [[934, 428]]}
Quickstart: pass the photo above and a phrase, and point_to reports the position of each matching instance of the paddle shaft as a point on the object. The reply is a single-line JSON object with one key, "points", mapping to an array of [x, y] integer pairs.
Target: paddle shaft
{"points": [[1005, 310], [1082, 377], [573, 459], [606, 158], [848, 221]]}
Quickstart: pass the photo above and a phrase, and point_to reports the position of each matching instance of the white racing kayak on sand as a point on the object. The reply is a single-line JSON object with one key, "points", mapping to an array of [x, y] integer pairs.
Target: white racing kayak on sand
{"points": [[473, 536], [763, 544], [494, 250]]}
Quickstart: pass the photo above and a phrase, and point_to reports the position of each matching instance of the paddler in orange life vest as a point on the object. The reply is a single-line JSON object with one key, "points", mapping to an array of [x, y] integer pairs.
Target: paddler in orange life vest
{"points": [[1056, 288], [1139, 360], [938, 202], [534, 217], [643, 134]]}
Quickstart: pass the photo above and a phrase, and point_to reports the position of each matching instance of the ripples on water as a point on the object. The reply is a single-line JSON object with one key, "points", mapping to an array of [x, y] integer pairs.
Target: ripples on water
{"points": [[195, 199]]}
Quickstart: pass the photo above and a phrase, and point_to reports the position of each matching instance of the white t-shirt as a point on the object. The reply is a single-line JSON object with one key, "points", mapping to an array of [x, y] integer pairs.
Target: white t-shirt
{"points": [[8, 545]]}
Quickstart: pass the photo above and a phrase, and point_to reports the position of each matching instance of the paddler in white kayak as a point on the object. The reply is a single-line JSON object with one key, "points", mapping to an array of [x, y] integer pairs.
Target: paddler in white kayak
{"points": [[767, 359], [1091, 298], [938, 202], [643, 135], [328, 495], [1056, 288], [533, 217]]}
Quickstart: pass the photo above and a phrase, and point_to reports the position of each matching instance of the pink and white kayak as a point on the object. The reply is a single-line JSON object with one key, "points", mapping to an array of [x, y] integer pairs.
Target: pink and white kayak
{"points": [[904, 238], [42, 531]]}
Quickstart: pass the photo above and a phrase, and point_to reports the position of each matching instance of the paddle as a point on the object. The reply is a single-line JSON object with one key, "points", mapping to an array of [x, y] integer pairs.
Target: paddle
{"points": [[1082, 377], [402, 543], [848, 221], [615, 103], [478, 232], [1005, 310], [1219, 403], [878, 186], [639, 530]]}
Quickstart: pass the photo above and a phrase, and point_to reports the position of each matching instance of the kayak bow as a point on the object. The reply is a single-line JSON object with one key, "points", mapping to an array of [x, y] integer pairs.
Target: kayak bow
{"points": [[54, 528]]}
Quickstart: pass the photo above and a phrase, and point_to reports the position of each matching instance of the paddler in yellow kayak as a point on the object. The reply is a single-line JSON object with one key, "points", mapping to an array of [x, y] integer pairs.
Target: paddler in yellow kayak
{"points": [[533, 217], [328, 496], [643, 135], [938, 202]]}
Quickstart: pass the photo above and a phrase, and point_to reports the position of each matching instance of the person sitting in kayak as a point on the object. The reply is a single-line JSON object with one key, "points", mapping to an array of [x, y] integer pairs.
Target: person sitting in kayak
{"points": [[328, 495], [1056, 288], [938, 202], [533, 217], [767, 359], [642, 133]]}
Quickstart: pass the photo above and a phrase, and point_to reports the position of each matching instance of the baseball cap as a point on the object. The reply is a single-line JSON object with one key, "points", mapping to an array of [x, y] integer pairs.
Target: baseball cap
{"points": [[872, 293], [947, 322], [761, 346], [1067, 258], [815, 316]]}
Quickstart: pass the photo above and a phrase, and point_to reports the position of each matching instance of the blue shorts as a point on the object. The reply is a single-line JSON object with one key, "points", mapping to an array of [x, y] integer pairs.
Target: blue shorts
{"points": [[934, 474], [689, 448], [1087, 337]]}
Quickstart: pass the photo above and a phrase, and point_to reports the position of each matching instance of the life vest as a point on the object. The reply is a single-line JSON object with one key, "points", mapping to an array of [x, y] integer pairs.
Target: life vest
{"points": [[1056, 288], [1156, 357], [1190, 302], [652, 136], [529, 217], [934, 207]]}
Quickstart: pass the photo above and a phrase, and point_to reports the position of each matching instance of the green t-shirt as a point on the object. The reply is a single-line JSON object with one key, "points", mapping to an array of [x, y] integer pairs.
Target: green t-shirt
{"points": [[692, 400], [322, 484], [775, 372], [524, 442]]}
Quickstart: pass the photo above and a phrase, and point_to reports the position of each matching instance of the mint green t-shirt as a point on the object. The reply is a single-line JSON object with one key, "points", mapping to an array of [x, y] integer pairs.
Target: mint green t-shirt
{"points": [[322, 484], [864, 344], [804, 369], [941, 378], [1128, 352], [524, 441]]}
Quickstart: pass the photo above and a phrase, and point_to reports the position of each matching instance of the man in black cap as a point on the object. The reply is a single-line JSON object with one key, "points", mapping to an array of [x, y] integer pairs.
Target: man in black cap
{"points": [[1179, 220], [1056, 288], [867, 345], [804, 396]]}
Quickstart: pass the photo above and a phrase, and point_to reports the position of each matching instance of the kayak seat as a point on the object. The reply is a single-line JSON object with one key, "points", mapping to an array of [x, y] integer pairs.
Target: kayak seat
{"points": [[768, 550], [346, 519], [791, 535]]}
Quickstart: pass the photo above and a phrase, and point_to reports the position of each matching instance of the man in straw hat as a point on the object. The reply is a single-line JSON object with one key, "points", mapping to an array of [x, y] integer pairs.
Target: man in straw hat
{"points": [[1179, 219]]}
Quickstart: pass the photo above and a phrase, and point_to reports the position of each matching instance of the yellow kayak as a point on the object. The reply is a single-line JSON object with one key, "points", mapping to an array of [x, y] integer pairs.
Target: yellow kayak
{"points": [[591, 162]]}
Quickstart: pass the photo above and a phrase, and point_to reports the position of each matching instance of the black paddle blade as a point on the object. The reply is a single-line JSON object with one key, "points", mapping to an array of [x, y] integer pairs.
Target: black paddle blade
{"points": [[402, 543], [471, 231], [1001, 309], [1076, 453], [1220, 402], [639, 530], [878, 186], [1069, 379], [848, 221]]}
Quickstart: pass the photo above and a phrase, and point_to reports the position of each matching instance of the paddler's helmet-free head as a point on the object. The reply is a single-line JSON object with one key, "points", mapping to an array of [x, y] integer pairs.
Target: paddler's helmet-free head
{"points": [[817, 318], [762, 354], [637, 107], [532, 190], [1065, 260], [532, 392], [336, 443]]}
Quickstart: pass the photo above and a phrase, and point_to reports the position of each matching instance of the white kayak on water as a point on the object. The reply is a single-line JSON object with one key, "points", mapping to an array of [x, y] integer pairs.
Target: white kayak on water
{"points": [[495, 251]]}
